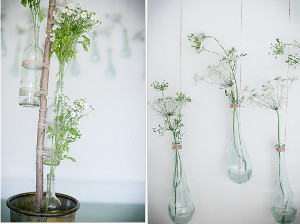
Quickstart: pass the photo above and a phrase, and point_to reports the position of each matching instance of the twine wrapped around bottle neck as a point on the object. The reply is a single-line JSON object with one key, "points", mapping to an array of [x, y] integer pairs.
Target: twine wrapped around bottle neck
{"points": [[33, 90], [177, 147], [280, 149], [36, 63], [234, 105]]}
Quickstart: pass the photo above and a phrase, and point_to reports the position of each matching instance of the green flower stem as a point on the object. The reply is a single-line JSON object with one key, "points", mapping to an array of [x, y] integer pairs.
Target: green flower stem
{"points": [[177, 176], [232, 67], [279, 154], [234, 140]]}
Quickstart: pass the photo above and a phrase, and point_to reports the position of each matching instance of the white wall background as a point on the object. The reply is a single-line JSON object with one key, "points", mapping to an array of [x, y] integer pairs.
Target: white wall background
{"points": [[110, 157], [207, 118]]}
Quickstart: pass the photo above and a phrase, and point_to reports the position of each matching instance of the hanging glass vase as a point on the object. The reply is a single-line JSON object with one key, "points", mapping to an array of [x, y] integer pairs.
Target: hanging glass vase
{"points": [[3, 46], [181, 205], [75, 68], [29, 92], [110, 72], [239, 164], [95, 56], [126, 52], [283, 205], [51, 203]]}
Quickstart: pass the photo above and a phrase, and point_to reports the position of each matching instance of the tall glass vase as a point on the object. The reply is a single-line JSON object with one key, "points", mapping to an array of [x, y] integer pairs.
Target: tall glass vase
{"points": [[239, 164], [50, 157], [181, 205], [283, 205]]}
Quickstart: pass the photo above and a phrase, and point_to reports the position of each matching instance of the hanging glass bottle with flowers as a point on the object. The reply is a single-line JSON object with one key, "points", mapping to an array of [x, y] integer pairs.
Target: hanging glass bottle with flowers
{"points": [[181, 206], [224, 76], [273, 95], [32, 64]]}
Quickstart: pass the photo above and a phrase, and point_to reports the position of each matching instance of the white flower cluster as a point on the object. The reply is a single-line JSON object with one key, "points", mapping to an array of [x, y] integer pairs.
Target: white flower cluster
{"points": [[78, 108], [166, 107], [74, 14], [220, 75], [272, 95]]}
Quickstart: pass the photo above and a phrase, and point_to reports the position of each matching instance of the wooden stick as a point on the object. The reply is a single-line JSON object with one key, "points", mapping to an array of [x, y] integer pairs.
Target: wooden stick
{"points": [[42, 113]]}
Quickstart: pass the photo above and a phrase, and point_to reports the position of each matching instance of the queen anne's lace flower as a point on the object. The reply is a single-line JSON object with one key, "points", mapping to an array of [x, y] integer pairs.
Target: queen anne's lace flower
{"points": [[272, 94]]}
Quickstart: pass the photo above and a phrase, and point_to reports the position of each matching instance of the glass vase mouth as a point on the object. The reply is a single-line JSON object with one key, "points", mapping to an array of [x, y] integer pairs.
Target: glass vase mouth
{"points": [[177, 143]]}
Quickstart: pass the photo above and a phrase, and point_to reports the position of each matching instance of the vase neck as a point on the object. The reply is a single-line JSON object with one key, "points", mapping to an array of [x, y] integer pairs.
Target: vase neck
{"points": [[50, 185], [59, 87], [35, 36], [178, 168]]}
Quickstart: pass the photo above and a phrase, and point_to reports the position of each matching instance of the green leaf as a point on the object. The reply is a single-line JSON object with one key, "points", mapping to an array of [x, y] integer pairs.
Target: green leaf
{"points": [[71, 158], [24, 2]]}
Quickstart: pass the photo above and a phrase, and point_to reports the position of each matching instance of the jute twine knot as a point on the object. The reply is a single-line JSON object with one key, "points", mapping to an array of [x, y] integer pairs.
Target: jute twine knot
{"points": [[177, 147], [61, 4], [281, 149], [234, 105]]}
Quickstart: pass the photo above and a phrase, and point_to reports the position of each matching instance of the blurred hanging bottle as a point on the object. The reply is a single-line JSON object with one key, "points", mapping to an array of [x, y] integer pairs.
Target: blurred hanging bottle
{"points": [[3, 46], [51, 203], [110, 72], [29, 93], [239, 164], [283, 205], [95, 55], [181, 205], [75, 69], [126, 52]]}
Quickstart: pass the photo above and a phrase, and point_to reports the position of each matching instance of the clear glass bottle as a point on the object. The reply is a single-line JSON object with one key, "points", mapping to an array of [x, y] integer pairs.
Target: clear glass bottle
{"points": [[126, 52], [95, 55], [283, 205], [50, 157], [75, 68], [3, 45], [239, 164], [181, 205], [51, 203], [110, 72], [31, 73]]}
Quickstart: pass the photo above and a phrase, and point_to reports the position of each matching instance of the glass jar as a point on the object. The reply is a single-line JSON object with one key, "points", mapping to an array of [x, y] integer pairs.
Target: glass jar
{"points": [[283, 205], [51, 203], [239, 164], [181, 205], [29, 93]]}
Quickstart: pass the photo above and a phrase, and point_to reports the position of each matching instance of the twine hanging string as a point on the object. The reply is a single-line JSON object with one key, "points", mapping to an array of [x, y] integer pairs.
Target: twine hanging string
{"points": [[288, 71], [180, 60], [241, 45], [180, 47]]}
